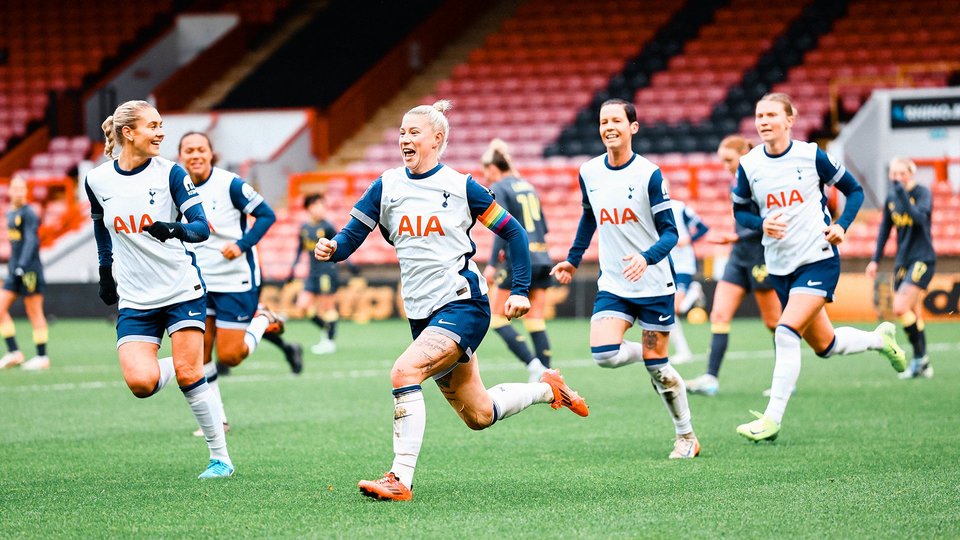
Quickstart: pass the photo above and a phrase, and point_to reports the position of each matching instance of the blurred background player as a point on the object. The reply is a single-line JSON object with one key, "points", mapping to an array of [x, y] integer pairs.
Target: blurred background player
{"points": [[518, 198], [25, 279], [318, 299], [690, 228], [136, 200], [626, 194], [785, 181], [744, 271], [908, 207], [426, 211], [230, 266]]}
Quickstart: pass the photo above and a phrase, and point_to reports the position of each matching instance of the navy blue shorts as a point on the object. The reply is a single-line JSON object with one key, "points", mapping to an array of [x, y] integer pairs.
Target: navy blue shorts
{"points": [[148, 324], [32, 283], [540, 277], [818, 279], [750, 278], [232, 310], [464, 321], [683, 281], [917, 273], [324, 283], [654, 312]]}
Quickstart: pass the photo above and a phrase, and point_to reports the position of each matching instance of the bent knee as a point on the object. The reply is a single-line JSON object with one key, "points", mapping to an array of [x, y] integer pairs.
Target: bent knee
{"points": [[401, 377], [231, 358], [142, 389], [477, 421], [605, 355]]}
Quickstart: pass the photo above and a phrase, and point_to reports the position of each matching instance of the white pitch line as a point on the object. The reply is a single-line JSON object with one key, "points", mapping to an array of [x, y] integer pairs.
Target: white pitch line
{"points": [[370, 373]]}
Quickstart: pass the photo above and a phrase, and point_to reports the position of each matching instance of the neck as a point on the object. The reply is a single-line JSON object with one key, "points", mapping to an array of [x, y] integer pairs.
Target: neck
{"points": [[17, 204], [130, 161], [198, 179], [777, 146], [619, 156], [425, 166]]}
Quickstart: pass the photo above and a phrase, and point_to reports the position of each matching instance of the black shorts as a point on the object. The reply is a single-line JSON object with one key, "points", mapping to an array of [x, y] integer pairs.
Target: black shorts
{"points": [[540, 277], [750, 278], [324, 283], [917, 273], [32, 282]]}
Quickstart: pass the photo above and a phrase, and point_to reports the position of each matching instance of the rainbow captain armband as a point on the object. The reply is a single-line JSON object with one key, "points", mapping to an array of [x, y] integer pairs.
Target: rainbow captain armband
{"points": [[494, 217]]}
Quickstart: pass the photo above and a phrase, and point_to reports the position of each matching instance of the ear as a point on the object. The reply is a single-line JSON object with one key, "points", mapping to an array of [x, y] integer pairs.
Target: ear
{"points": [[437, 139], [634, 128], [790, 121], [126, 133]]}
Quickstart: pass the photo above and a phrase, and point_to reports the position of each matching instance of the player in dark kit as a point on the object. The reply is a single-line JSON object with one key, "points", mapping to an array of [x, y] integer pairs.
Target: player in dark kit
{"points": [[317, 298], [908, 208], [25, 279], [520, 200]]}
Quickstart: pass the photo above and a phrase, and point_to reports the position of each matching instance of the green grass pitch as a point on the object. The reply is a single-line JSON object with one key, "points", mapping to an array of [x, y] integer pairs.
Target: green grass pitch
{"points": [[861, 453]]}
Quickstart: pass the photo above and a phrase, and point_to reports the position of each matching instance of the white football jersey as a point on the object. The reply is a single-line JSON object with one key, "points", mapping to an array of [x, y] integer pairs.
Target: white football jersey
{"points": [[427, 218], [684, 258], [624, 201], [149, 273], [226, 201], [791, 183]]}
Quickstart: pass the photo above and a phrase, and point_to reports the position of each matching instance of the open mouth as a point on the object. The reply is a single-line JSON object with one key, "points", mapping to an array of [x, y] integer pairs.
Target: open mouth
{"points": [[408, 152], [611, 136]]}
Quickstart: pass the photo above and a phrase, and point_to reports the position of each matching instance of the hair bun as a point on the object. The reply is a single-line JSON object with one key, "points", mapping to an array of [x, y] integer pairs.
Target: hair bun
{"points": [[499, 145], [443, 105]]}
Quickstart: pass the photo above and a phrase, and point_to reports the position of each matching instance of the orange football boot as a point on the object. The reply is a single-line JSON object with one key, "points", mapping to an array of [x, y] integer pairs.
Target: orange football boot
{"points": [[388, 488], [276, 322], [563, 396]]}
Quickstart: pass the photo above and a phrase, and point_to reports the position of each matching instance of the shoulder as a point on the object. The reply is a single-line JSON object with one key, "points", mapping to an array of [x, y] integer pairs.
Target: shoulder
{"points": [[99, 172], [752, 158], [593, 165], [808, 150]]}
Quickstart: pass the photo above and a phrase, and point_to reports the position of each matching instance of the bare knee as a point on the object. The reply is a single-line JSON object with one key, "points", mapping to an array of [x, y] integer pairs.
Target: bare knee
{"points": [[231, 358], [402, 376], [477, 421], [720, 316], [142, 388]]}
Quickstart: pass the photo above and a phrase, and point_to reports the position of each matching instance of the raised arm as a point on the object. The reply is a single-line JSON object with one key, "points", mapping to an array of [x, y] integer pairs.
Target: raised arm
{"points": [[188, 201]]}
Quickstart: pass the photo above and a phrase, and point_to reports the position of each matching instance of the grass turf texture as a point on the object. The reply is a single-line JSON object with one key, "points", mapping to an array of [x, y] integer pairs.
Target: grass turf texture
{"points": [[861, 452]]}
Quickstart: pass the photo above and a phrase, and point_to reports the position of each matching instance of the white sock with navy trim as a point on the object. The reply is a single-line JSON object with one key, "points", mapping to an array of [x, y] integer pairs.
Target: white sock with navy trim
{"points": [[849, 340], [213, 379], [409, 423], [255, 331], [205, 410], [167, 373], [614, 356], [673, 391], [786, 371], [511, 398]]}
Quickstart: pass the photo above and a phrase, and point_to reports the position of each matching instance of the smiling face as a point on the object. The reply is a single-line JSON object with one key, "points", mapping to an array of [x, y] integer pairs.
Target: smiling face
{"points": [[730, 158], [419, 143], [615, 129], [146, 136], [197, 156], [772, 121]]}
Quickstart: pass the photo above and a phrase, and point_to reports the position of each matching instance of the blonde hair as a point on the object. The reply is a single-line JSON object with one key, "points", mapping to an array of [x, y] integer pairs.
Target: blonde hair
{"points": [[498, 155], [905, 161], [437, 119], [784, 100], [737, 142], [126, 115]]}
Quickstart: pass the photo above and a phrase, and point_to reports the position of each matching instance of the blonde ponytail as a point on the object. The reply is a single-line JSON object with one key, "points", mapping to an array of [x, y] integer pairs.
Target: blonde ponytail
{"points": [[498, 154], [126, 115]]}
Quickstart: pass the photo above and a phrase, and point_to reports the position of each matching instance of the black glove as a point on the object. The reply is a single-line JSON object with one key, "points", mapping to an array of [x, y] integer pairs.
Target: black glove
{"points": [[18, 277], [163, 231], [108, 287]]}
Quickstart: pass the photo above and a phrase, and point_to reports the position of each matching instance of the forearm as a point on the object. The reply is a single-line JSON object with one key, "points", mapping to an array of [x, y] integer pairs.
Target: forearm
{"points": [[746, 217], [104, 243], [882, 236], [257, 232], [702, 229], [196, 229], [669, 235], [854, 193], [588, 226], [349, 239], [498, 246], [516, 239]]}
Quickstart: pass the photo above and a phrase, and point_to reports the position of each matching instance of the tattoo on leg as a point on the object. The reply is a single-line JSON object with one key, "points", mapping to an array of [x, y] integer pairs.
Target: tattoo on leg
{"points": [[650, 340]]}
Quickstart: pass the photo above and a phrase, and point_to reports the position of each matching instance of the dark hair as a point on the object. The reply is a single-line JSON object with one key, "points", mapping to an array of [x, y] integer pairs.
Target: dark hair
{"points": [[213, 160], [498, 155], [312, 198], [627, 107]]}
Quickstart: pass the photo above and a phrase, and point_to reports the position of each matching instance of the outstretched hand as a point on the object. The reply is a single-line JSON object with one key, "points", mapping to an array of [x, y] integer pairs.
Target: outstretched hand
{"points": [[636, 267], [564, 272]]}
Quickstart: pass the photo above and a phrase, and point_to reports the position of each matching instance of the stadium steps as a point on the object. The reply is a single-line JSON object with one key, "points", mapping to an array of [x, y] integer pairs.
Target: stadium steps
{"points": [[219, 90], [580, 137], [387, 117]]}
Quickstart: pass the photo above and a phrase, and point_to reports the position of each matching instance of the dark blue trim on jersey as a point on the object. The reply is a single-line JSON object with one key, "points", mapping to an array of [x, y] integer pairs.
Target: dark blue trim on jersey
{"points": [[849, 186], [116, 167], [606, 161], [369, 203], [775, 156], [204, 181], [193, 261], [421, 176]]}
